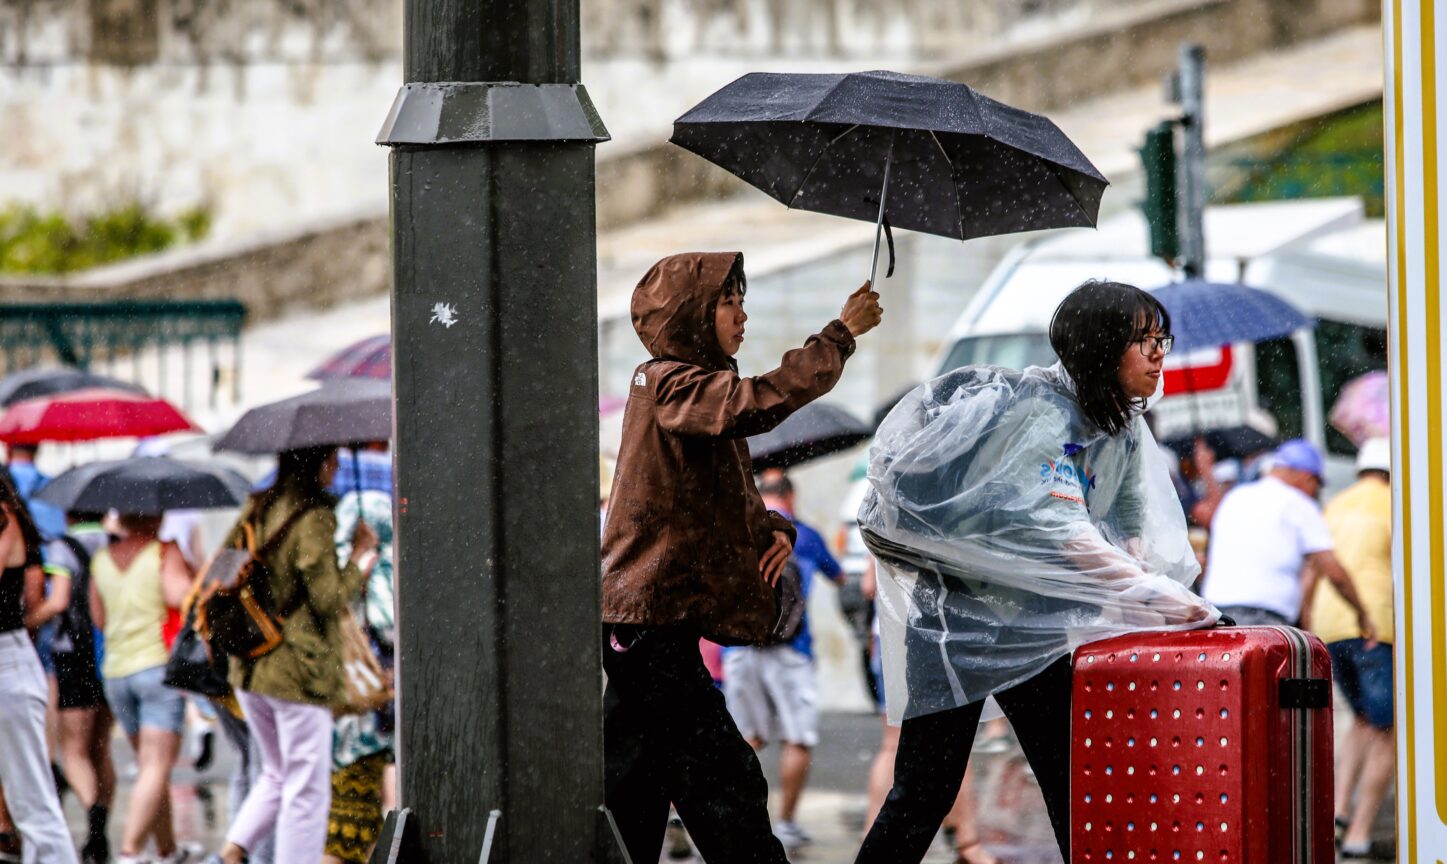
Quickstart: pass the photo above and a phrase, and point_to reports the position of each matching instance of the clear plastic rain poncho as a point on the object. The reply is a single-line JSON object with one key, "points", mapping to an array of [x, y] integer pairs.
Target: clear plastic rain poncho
{"points": [[1009, 530]]}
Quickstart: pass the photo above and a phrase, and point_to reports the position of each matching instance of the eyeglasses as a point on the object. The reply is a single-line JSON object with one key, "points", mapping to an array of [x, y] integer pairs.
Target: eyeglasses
{"points": [[1151, 344]]}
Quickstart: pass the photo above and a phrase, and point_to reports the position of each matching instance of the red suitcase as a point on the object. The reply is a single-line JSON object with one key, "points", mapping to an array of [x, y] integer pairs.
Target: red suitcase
{"points": [[1209, 745]]}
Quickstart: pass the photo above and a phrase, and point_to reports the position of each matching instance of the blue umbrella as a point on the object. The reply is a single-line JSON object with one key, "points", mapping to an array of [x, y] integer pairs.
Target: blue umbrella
{"points": [[1212, 314]]}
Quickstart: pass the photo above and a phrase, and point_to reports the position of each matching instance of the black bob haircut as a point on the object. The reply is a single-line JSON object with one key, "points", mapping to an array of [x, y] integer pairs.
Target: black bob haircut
{"points": [[736, 283], [1090, 331]]}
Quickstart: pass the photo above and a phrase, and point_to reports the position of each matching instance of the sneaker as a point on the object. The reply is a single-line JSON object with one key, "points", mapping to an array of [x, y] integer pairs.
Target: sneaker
{"points": [[791, 835], [1373, 851], [185, 853]]}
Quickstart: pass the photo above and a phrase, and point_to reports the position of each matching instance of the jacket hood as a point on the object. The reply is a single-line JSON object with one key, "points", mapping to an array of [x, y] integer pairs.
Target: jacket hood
{"points": [[673, 307]]}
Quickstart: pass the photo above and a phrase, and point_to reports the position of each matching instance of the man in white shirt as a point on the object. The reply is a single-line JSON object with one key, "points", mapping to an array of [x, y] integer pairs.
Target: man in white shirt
{"points": [[1263, 536]]}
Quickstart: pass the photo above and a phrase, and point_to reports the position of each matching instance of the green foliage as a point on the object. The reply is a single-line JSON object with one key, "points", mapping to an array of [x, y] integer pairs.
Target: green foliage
{"points": [[36, 242], [1340, 154]]}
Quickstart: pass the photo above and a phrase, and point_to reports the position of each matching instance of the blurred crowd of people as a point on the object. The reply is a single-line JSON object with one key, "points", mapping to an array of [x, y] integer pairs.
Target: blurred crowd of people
{"points": [[91, 603]]}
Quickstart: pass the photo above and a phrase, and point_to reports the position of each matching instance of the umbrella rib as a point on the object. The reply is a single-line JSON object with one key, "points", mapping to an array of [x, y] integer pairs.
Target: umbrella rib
{"points": [[959, 204], [815, 164], [1055, 170]]}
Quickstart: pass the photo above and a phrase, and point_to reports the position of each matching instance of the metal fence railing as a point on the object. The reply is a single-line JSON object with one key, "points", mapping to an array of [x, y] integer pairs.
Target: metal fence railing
{"points": [[152, 337]]}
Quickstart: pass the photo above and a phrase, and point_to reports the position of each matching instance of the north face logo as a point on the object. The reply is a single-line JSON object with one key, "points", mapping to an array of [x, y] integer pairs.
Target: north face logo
{"points": [[640, 380]]}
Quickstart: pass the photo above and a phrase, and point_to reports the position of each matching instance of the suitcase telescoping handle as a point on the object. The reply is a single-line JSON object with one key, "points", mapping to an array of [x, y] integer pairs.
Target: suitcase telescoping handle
{"points": [[1305, 693]]}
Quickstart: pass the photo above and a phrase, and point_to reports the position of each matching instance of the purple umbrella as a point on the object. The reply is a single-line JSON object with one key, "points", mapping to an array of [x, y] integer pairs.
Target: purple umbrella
{"points": [[1363, 409], [369, 358]]}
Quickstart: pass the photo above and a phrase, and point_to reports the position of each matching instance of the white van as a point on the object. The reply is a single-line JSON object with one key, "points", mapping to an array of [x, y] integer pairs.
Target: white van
{"points": [[1322, 255]]}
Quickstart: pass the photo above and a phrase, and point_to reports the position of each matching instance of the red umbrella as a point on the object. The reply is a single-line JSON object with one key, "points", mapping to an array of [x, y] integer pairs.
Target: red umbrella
{"points": [[369, 358], [87, 415]]}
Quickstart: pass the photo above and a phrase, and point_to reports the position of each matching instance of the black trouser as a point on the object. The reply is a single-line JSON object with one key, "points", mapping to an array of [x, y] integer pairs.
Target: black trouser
{"points": [[668, 737], [933, 752]]}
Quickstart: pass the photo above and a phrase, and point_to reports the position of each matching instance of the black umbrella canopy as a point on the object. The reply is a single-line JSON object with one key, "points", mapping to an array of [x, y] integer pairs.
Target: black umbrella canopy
{"points": [[882, 411], [1232, 442], [146, 485], [814, 431], [962, 165], [343, 411], [49, 381]]}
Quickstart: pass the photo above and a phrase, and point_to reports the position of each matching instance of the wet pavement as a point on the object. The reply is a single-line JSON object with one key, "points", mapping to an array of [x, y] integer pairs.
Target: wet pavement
{"points": [[1011, 818]]}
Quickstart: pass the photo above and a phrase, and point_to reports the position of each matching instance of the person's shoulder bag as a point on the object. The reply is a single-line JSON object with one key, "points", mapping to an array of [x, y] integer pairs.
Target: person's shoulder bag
{"points": [[193, 666]]}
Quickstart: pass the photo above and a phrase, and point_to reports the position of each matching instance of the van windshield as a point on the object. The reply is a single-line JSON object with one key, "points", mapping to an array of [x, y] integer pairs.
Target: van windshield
{"points": [[1013, 351]]}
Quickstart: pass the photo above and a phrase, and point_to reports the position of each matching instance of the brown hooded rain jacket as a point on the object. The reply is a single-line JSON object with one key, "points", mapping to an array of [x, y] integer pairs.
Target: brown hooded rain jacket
{"points": [[686, 526]]}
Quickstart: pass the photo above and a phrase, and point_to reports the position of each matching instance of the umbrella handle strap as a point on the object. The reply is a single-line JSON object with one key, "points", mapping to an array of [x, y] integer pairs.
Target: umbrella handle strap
{"points": [[889, 241], [882, 223]]}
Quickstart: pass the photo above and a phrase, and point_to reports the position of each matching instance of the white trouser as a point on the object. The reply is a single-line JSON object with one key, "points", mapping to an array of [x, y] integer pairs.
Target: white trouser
{"points": [[291, 799], [24, 759]]}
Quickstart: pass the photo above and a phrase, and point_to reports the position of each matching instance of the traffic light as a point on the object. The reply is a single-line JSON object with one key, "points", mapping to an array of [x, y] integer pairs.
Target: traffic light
{"points": [[1158, 155]]}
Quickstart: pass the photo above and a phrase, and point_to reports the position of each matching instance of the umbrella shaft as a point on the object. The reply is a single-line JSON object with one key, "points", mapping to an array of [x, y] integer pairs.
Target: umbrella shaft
{"points": [[879, 220]]}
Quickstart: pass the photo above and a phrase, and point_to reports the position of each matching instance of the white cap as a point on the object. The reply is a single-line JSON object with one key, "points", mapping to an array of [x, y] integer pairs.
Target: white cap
{"points": [[1375, 455]]}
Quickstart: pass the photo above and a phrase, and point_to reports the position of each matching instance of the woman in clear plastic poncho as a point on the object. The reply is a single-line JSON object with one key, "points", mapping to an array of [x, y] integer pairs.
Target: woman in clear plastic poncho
{"points": [[1015, 516]]}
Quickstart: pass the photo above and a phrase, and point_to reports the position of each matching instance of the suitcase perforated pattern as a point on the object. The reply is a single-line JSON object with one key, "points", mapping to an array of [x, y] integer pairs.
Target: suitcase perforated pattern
{"points": [[1157, 776]]}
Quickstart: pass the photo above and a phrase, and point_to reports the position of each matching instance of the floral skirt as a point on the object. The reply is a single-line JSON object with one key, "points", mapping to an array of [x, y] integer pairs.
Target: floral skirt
{"points": [[356, 815]]}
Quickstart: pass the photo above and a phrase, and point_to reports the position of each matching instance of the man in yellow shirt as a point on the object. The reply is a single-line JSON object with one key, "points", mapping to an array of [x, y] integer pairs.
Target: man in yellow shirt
{"points": [[1360, 519]]}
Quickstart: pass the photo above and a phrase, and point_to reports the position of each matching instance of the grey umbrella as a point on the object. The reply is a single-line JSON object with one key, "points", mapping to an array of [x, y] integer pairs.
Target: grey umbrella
{"points": [[148, 485], [31, 383], [343, 411]]}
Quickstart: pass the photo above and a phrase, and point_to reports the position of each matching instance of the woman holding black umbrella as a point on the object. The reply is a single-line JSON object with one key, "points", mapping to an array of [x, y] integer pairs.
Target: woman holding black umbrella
{"points": [[288, 694], [1016, 516]]}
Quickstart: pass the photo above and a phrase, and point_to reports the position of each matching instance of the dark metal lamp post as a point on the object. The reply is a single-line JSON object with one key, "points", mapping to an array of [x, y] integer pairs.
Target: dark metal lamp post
{"points": [[495, 382]]}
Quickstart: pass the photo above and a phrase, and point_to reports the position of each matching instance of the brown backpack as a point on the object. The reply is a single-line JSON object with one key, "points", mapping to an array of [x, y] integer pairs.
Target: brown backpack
{"points": [[236, 615]]}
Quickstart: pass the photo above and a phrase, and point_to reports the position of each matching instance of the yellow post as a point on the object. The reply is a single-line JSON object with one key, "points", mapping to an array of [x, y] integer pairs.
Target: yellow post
{"points": [[1414, 238]]}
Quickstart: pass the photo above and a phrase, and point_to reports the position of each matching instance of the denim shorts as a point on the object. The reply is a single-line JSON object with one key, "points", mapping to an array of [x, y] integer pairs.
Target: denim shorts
{"points": [[142, 700], [1365, 678]]}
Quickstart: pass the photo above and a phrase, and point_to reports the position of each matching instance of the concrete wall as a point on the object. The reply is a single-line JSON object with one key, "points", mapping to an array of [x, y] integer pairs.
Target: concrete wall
{"points": [[324, 240], [265, 111], [679, 29]]}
